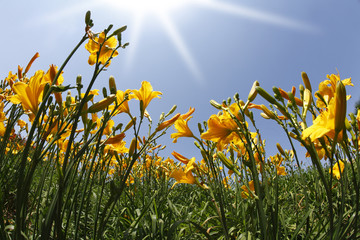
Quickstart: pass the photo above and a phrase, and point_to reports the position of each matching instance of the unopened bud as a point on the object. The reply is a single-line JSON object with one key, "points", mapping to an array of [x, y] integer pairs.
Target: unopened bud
{"points": [[172, 110], [281, 150], [277, 93], [269, 113], [253, 92], [301, 90], [264, 115], [307, 101], [104, 91], [87, 18], [236, 97], [225, 160], [115, 139], [215, 104], [293, 135], [101, 105], [201, 130], [306, 81], [167, 123], [112, 85], [78, 80], [347, 125], [68, 99], [132, 147], [265, 95], [340, 106]]}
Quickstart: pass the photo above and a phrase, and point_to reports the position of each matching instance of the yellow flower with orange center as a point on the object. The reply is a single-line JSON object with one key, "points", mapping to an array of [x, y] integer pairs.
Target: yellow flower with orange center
{"points": [[146, 94], [327, 89], [323, 125], [245, 190], [221, 129], [182, 177], [337, 169], [29, 95], [181, 126], [122, 104], [105, 46]]}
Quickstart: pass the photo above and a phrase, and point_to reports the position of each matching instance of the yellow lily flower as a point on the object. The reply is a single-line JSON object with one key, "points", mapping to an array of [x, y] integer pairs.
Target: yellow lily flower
{"points": [[182, 128], [120, 96], [336, 170], [245, 191], [327, 88], [146, 94], [29, 95], [182, 177], [116, 148], [180, 157], [221, 130], [107, 48], [323, 125]]}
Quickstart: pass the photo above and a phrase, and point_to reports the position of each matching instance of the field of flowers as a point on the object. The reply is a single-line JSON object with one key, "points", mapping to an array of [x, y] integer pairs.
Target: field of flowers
{"points": [[67, 171]]}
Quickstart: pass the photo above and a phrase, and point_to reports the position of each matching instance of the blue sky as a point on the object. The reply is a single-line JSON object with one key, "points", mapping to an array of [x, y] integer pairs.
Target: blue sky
{"points": [[202, 50]]}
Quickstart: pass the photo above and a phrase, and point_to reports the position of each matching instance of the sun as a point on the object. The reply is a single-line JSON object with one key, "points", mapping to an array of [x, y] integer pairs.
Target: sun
{"points": [[143, 10]]}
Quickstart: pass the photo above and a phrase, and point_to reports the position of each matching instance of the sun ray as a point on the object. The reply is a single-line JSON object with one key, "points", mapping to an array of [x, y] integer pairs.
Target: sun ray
{"points": [[133, 39], [181, 47], [257, 15], [140, 9]]}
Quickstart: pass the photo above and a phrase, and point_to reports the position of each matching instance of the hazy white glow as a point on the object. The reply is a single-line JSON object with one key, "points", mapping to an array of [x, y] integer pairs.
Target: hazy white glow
{"points": [[254, 14], [162, 9], [149, 6], [181, 47]]}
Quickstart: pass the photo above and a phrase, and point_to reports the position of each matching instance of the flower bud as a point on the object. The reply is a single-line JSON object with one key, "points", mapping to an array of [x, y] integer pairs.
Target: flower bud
{"points": [[281, 150], [301, 90], [253, 92], [283, 93], [31, 62], [172, 110], [307, 101], [347, 125], [215, 104], [277, 93], [225, 160], [306, 81], [294, 100], [115, 139], [68, 99], [132, 147], [104, 91], [101, 105], [88, 18], [340, 106], [236, 97], [269, 113], [265, 95], [78, 80], [112, 85], [167, 123], [264, 115]]}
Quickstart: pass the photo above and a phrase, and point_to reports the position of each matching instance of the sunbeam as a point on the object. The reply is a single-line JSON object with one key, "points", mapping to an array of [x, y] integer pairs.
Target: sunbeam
{"points": [[140, 10], [181, 47], [257, 15]]}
